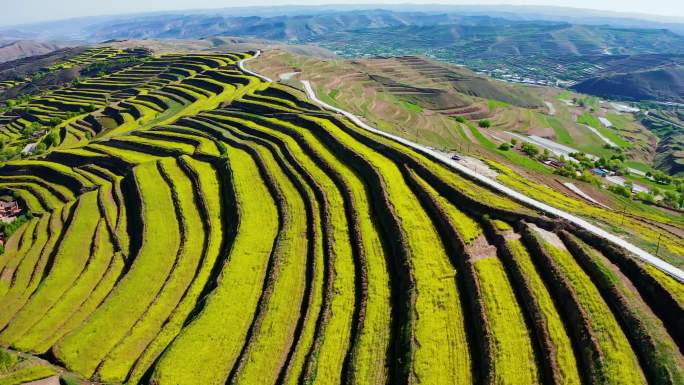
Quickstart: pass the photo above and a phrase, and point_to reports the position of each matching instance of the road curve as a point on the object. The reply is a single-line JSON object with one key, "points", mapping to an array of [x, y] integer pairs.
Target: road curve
{"points": [[241, 65], [638, 252]]}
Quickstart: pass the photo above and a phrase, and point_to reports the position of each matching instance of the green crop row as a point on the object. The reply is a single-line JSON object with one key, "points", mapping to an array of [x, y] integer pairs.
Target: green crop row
{"points": [[85, 348], [29, 272], [216, 336], [618, 359], [369, 352], [436, 303], [68, 265], [564, 356], [513, 355]]}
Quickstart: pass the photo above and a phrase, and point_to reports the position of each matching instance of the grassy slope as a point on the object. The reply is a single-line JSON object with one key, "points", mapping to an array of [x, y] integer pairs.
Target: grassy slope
{"points": [[567, 365], [84, 348], [435, 297], [246, 265], [68, 265], [619, 360], [514, 361]]}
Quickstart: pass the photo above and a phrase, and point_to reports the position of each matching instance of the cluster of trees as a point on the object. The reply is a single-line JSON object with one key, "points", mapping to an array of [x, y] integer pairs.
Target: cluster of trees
{"points": [[579, 169], [9, 228], [7, 152], [18, 101], [533, 151], [625, 189], [674, 196], [528, 148], [39, 75], [664, 179], [670, 198], [587, 101]]}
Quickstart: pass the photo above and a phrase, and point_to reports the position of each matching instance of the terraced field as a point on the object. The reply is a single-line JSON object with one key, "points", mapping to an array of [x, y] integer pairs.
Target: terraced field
{"points": [[213, 228]]}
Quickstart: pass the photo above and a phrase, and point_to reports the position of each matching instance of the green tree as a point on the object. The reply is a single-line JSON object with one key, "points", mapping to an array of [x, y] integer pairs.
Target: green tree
{"points": [[52, 139], [530, 149], [545, 154], [662, 178], [621, 190], [40, 148], [671, 198], [646, 197]]}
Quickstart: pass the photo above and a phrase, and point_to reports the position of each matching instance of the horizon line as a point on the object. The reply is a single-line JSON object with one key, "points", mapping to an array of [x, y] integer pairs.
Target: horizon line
{"points": [[666, 19]]}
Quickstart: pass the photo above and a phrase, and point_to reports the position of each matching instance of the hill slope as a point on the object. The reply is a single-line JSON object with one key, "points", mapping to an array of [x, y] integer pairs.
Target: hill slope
{"points": [[23, 48], [661, 84]]}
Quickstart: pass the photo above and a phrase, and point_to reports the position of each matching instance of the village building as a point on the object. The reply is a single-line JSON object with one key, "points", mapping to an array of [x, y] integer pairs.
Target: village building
{"points": [[9, 210]]}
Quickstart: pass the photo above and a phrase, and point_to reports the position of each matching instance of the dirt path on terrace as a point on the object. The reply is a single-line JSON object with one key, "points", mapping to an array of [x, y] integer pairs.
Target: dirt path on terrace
{"points": [[480, 249], [54, 380], [548, 236], [511, 235]]}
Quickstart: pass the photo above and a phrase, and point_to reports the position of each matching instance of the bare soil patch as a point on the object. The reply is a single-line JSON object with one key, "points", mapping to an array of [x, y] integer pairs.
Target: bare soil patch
{"points": [[480, 249]]}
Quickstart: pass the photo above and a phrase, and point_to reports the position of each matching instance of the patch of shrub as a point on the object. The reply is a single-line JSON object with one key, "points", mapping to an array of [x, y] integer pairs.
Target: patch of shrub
{"points": [[621, 190], [530, 149]]}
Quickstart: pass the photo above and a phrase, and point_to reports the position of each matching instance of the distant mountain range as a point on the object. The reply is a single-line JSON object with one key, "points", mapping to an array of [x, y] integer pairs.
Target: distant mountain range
{"points": [[542, 45], [80, 26]]}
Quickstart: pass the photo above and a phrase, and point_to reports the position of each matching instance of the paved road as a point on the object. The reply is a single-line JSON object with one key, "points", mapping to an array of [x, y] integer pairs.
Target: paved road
{"points": [[555, 148], [638, 252], [552, 108], [54, 380], [600, 135], [241, 65]]}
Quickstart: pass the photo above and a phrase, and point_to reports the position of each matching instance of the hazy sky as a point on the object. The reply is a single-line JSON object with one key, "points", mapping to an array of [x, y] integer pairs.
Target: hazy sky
{"points": [[27, 11]]}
